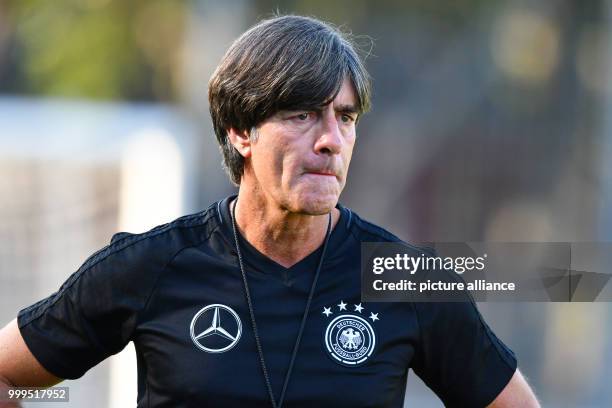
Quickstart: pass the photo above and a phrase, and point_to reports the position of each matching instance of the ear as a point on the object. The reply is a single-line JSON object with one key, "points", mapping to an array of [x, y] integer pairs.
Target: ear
{"points": [[240, 141]]}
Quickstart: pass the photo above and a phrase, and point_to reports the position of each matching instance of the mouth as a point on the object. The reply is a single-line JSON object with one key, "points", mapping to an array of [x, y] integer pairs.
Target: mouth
{"points": [[323, 173]]}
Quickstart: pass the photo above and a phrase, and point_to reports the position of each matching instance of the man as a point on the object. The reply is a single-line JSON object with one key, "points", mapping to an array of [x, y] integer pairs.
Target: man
{"points": [[255, 301]]}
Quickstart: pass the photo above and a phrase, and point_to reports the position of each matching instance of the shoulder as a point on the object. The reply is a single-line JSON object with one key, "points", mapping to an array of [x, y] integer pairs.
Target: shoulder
{"points": [[112, 271], [162, 241], [365, 231], [144, 255]]}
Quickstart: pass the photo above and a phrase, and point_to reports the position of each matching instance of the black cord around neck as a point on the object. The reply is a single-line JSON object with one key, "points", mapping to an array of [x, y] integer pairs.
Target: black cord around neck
{"points": [[252, 311]]}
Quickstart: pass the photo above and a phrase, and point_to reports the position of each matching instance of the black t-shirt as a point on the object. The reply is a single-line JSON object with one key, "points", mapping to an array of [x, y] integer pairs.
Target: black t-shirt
{"points": [[176, 292]]}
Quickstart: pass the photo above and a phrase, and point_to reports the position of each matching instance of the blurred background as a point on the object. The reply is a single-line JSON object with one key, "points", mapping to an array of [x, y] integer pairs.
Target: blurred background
{"points": [[492, 121]]}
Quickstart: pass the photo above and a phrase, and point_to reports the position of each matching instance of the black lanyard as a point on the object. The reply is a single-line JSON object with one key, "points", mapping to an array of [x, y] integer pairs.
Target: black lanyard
{"points": [[252, 312]]}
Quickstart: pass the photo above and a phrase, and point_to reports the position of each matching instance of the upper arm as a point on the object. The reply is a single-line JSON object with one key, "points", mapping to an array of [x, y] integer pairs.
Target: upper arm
{"points": [[95, 312], [516, 393], [18, 366]]}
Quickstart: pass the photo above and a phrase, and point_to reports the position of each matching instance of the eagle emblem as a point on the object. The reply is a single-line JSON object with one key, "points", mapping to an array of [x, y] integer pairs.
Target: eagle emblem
{"points": [[350, 339]]}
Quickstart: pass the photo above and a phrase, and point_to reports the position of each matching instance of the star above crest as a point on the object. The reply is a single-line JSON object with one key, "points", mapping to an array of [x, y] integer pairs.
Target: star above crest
{"points": [[343, 306]]}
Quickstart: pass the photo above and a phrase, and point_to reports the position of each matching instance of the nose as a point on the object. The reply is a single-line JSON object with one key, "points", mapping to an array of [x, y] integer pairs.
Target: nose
{"points": [[329, 140]]}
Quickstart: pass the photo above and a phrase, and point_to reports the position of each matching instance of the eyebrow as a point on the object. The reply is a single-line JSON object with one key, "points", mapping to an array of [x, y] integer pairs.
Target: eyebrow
{"points": [[346, 109]]}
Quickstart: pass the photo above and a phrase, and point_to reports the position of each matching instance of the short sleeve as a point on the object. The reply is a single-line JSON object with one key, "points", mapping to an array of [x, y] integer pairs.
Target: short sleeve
{"points": [[459, 356], [94, 313]]}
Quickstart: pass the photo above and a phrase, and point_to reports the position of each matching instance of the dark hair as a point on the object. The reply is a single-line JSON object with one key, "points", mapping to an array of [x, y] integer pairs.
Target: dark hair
{"points": [[284, 63]]}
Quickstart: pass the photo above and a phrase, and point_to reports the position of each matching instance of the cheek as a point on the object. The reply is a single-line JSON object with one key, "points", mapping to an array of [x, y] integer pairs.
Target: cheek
{"points": [[271, 163], [261, 162], [290, 168], [348, 151]]}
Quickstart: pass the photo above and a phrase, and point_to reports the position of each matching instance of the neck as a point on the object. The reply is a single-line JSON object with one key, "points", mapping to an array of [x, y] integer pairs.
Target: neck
{"points": [[281, 235]]}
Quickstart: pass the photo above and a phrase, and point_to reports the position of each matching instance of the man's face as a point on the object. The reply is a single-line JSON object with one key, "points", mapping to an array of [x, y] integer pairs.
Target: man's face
{"points": [[300, 159]]}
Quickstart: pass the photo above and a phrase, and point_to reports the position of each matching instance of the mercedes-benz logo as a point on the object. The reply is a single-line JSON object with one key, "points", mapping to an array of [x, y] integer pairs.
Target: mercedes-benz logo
{"points": [[215, 328]]}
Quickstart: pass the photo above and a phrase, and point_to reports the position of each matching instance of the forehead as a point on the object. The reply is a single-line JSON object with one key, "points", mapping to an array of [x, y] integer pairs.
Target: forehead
{"points": [[347, 95]]}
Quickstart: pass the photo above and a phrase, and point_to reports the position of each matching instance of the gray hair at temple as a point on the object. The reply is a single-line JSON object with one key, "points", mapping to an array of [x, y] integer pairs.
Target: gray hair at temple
{"points": [[283, 63]]}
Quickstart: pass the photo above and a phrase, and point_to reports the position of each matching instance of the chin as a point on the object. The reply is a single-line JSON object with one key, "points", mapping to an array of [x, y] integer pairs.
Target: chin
{"points": [[315, 203]]}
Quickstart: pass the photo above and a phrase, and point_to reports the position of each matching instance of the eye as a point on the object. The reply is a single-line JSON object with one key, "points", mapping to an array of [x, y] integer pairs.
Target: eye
{"points": [[347, 118], [303, 116]]}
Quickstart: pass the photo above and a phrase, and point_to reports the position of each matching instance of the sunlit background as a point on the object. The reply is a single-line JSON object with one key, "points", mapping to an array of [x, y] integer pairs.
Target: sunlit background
{"points": [[491, 121]]}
